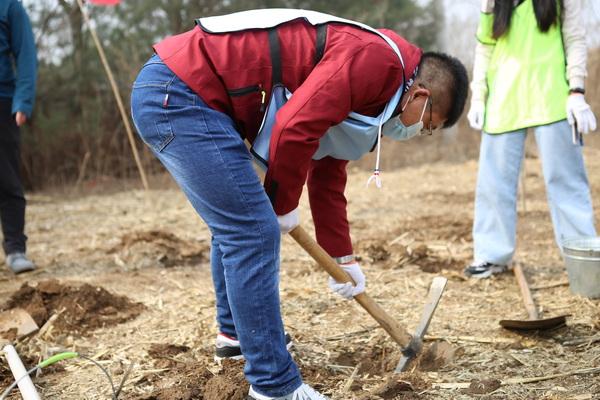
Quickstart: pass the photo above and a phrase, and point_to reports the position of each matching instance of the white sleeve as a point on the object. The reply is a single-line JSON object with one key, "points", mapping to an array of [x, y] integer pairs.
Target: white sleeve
{"points": [[483, 54], [573, 31], [487, 6], [479, 88]]}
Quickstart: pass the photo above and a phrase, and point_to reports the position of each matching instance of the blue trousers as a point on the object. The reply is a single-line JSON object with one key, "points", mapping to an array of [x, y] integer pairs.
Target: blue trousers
{"points": [[567, 189], [208, 158], [12, 199]]}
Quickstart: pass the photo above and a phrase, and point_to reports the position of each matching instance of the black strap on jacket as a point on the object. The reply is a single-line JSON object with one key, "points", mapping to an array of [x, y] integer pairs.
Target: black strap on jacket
{"points": [[275, 55], [320, 43], [277, 72], [276, 50]]}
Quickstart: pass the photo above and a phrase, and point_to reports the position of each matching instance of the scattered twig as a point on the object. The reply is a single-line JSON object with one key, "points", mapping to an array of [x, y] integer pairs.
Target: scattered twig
{"points": [[124, 379], [342, 369], [176, 360], [518, 359], [353, 333], [549, 285], [49, 323], [513, 381], [586, 321], [589, 302], [455, 275], [469, 339], [179, 285], [581, 340], [399, 238], [350, 380], [451, 385]]}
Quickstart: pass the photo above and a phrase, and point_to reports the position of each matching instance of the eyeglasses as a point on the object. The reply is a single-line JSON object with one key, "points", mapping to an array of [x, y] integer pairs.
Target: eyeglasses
{"points": [[429, 129]]}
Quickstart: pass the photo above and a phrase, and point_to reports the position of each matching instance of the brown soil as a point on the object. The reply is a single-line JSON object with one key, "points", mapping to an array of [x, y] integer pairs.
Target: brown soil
{"points": [[126, 277], [79, 309]]}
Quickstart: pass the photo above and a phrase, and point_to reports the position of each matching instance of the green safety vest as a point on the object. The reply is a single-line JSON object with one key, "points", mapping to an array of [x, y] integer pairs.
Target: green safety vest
{"points": [[526, 77]]}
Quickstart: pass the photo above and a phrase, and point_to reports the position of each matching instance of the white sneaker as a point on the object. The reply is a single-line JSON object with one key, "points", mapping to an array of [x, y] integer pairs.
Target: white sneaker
{"points": [[18, 263], [304, 392]]}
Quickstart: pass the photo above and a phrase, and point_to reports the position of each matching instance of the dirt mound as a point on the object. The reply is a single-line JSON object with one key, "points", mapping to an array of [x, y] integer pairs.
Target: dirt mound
{"points": [[164, 247], [184, 375], [80, 308], [395, 256]]}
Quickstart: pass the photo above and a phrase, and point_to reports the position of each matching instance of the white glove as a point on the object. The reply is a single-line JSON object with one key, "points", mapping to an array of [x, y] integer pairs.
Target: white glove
{"points": [[346, 289], [288, 221], [476, 114], [578, 111]]}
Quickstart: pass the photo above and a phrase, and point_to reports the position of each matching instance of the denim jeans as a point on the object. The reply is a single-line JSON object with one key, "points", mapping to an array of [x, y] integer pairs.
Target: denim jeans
{"points": [[567, 189], [208, 158]]}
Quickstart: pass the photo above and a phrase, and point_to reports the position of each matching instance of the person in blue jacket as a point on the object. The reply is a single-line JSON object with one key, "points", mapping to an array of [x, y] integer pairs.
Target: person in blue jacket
{"points": [[18, 73]]}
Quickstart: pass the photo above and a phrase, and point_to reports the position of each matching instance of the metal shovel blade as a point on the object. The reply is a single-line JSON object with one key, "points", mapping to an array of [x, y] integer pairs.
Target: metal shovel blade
{"points": [[537, 324], [433, 298], [19, 319], [534, 322]]}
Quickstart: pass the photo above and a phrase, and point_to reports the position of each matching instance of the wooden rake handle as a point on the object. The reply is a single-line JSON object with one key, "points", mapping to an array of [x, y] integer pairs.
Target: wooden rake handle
{"points": [[397, 332]]}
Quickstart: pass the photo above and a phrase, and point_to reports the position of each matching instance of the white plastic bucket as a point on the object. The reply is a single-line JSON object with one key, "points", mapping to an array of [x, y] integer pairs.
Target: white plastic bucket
{"points": [[582, 259]]}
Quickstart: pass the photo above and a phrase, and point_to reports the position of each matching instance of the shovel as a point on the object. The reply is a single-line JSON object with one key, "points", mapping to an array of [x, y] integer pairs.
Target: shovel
{"points": [[19, 322], [411, 345], [534, 322]]}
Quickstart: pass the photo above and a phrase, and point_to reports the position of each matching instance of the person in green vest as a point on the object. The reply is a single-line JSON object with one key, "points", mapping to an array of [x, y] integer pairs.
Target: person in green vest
{"points": [[529, 71]]}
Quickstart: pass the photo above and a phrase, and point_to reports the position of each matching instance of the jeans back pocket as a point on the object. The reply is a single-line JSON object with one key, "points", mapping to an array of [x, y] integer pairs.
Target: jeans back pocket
{"points": [[149, 101]]}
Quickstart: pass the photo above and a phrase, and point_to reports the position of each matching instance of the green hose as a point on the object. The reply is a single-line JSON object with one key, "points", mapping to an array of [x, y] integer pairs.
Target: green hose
{"points": [[53, 359], [57, 357]]}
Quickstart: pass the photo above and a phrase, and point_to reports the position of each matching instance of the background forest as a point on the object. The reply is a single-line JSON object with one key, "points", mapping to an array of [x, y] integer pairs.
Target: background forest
{"points": [[77, 135]]}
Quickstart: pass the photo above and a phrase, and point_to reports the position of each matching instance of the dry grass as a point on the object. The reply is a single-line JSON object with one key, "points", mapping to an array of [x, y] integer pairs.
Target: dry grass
{"points": [[420, 221]]}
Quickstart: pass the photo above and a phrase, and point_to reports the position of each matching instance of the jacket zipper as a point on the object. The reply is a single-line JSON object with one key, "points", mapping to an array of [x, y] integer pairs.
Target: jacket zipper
{"points": [[249, 90]]}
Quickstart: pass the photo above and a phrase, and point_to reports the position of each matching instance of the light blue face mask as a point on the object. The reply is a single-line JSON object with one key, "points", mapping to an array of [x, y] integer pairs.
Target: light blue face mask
{"points": [[395, 129]]}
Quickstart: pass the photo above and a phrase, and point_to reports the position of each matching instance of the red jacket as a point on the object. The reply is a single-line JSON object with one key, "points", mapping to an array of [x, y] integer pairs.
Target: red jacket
{"points": [[358, 72]]}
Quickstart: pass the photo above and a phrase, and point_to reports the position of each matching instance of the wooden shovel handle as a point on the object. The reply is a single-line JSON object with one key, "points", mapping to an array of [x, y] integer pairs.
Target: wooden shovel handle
{"points": [[397, 332], [525, 292]]}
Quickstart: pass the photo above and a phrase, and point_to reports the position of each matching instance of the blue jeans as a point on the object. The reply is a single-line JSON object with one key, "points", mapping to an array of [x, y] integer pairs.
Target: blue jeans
{"points": [[567, 188], [209, 160]]}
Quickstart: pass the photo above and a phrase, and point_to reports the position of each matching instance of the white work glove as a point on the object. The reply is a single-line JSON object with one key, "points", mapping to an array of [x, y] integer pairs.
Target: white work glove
{"points": [[578, 111], [347, 290], [476, 114], [288, 221]]}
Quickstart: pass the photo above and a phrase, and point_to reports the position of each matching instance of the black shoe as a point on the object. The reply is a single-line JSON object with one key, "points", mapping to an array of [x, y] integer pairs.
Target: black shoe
{"points": [[483, 269], [228, 347]]}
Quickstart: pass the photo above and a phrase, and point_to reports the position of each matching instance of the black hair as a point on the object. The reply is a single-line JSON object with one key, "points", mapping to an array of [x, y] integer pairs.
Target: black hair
{"points": [[547, 13], [447, 80]]}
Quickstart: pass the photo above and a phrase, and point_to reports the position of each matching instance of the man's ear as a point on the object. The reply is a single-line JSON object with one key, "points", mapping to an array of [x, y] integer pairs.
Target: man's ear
{"points": [[421, 92]]}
